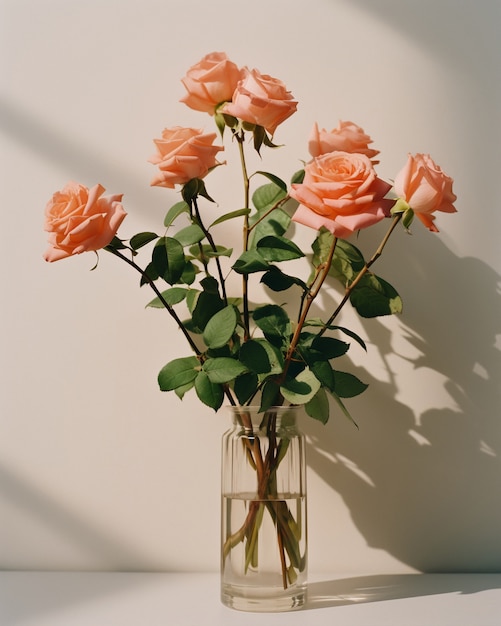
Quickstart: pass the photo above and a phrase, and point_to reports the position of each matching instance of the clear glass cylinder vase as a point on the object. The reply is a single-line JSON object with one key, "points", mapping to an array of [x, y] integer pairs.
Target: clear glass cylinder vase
{"points": [[263, 521]]}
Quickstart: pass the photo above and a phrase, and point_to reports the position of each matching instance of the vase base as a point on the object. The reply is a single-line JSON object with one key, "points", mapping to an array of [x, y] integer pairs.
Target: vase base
{"points": [[263, 600]]}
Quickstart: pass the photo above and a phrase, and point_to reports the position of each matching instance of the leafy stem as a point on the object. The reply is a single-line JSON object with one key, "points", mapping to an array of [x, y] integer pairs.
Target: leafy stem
{"points": [[198, 220], [320, 276], [363, 271], [159, 295], [246, 231]]}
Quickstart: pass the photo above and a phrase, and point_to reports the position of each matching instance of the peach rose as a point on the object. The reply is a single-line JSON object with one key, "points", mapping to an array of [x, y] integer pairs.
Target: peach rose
{"points": [[342, 192], [347, 137], [211, 82], [262, 100], [425, 188], [78, 220], [183, 154]]}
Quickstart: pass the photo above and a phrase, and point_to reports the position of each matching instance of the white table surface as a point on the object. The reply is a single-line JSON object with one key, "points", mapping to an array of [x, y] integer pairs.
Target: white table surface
{"points": [[157, 599]]}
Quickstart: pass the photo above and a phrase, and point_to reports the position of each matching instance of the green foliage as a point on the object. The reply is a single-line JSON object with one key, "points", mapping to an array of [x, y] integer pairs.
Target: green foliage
{"points": [[210, 393], [274, 322], [223, 369], [142, 239], [250, 262], [256, 352], [168, 259], [276, 280], [172, 296], [220, 327], [178, 372], [175, 211], [374, 297], [276, 248], [261, 357], [302, 388]]}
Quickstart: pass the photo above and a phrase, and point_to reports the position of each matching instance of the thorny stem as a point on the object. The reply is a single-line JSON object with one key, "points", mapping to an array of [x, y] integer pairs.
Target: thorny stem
{"points": [[363, 271], [246, 231], [158, 293], [320, 276], [170, 310], [213, 246]]}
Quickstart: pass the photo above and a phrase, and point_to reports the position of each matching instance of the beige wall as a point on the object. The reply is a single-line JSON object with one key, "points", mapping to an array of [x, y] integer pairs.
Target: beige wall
{"points": [[99, 470]]}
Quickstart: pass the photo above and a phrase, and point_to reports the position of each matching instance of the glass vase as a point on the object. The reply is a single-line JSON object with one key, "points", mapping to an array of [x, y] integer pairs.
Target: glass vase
{"points": [[263, 521]]}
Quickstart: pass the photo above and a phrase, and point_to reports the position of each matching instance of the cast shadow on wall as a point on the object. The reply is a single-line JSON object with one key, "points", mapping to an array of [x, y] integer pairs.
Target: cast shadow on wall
{"points": [[423, 484]]}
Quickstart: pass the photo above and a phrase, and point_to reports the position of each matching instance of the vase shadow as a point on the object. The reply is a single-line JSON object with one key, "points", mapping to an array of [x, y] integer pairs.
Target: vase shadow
{"points": [[381, 587]]}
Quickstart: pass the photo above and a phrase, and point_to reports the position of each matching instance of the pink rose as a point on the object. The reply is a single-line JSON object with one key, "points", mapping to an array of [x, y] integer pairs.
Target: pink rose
{"points": [[183, 154], [262, 100], [211, 82], [78, 220], [342, 192], [425, 188], [347, 137]]}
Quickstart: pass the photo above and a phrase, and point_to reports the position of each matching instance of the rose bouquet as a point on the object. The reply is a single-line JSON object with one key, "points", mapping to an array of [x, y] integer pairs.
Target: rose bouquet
{"points": [[240, 350]]}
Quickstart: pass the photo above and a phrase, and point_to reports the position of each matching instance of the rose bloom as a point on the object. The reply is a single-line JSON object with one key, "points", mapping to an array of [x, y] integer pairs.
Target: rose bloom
{"points": [[341, 192], [211, 82], [262, 100], [78, 220], [347, 137], [425, 188], [183, 154]]}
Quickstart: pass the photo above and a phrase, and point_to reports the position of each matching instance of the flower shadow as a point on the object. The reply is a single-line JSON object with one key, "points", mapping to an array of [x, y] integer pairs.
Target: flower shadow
{"points": [[421, 475]]}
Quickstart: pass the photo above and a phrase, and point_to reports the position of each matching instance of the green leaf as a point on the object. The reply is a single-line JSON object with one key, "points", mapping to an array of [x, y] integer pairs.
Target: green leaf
{"points": [[230, 216], [345, 411], [183, 389], [270, 395], [190, 235], [207, 305], [267, 196], [373, 297], [329, 347], [347, 261], [250, 262], [116, 244], [211, 394], [175, 211], [168, 259], [245, 386], [272, 320], [223, 369], [208, 252], [189, 273], [193, 188], [150, 275], [318, 322], [324, 373], [319, 348], [220, 327], [318, 406], [172, 296], [277, 248], [301, 389], [347, 385], [274, 179], [178, 373], [141, 239], [276, 280], [260, 356]]}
